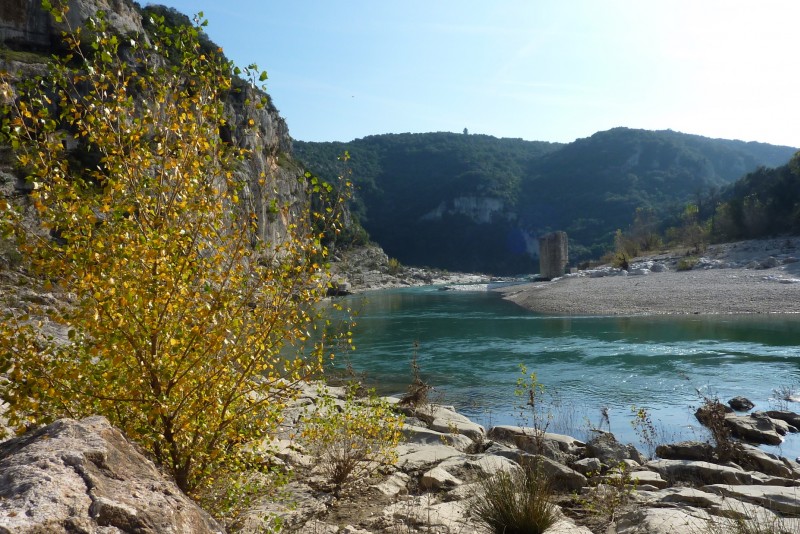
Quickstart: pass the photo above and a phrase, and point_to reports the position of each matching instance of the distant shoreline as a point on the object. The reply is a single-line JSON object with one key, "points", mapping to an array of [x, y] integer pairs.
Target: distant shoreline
{"points": [[718, 291], [710, 291]]}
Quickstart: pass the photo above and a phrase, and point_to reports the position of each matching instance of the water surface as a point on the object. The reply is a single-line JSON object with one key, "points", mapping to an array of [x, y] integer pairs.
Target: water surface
{"points": [[469, 345]]}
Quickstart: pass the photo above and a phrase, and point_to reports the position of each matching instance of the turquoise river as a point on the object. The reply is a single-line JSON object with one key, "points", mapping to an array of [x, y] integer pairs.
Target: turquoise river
{"points": [[470, 345]]}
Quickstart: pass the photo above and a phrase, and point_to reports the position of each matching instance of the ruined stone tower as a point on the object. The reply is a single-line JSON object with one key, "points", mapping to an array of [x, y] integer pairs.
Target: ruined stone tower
{"points": [[553, 254]]}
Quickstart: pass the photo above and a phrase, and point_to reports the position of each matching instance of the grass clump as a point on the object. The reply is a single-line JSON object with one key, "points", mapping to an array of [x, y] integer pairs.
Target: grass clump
{"points": [[516, 502], [687, 264], [418, 389]]}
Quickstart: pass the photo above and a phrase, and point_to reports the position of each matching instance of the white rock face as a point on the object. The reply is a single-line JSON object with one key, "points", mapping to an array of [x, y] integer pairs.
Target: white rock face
{"points": [[479, 209]]}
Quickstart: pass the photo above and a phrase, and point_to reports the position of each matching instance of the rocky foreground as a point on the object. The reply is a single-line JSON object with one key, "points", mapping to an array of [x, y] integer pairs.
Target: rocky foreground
{"points": [[83, 476], [748, 277]]}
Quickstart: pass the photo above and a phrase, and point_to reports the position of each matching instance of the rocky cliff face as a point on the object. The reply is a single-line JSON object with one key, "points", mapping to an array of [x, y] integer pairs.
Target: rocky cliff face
{"points": [[25, 25], [270, 174]]}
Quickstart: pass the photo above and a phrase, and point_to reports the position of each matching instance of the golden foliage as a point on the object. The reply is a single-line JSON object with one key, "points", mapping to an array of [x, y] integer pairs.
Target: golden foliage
{"points": [[184, 329]]}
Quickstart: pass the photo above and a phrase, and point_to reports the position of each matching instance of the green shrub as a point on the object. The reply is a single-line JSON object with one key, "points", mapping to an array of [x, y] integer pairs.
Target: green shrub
{"points": [[609, 493], [687, 264], [394, 266], [352, 440], [516, 502]]}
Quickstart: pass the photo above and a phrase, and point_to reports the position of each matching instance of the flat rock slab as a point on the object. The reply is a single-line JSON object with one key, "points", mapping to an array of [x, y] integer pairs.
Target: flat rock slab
{"points": [[782, 499], [482, 465], [689, 496], [426, 436], [766, 463], [640, 478], [413, 457], [757, 427], [427, 510], [704, 472], [662, 521], [567, 526]]}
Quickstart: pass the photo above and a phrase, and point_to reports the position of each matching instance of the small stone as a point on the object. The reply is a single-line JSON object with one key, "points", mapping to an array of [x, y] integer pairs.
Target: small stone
{"points": [[438, 479], [587, 466], [741, 404]]}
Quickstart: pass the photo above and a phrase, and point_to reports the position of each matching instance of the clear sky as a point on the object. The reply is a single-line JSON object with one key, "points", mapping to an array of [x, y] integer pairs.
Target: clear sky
{"points": [[549, 70]]}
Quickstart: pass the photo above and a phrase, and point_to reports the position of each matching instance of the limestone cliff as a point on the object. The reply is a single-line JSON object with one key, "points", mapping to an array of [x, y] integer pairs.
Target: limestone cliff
{"points": [[28, 36]]}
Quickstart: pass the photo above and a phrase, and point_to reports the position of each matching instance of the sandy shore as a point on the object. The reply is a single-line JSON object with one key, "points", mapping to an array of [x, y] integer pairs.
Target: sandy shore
{"points": [[736, 290]]}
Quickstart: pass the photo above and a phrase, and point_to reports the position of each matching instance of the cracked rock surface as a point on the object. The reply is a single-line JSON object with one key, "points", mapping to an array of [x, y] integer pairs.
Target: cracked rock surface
{"points": [[84, 476]]}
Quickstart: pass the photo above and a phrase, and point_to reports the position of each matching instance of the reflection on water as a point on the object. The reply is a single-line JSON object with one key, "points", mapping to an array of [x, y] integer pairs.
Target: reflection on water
{"points": [[471, 345]]}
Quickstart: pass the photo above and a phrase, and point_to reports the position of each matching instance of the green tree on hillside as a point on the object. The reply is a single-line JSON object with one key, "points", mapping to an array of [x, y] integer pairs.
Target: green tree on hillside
{"points": [[184, 329]]}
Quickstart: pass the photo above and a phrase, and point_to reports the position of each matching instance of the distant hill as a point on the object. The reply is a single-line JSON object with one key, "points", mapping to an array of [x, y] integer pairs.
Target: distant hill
{"points": [[479, 203]]}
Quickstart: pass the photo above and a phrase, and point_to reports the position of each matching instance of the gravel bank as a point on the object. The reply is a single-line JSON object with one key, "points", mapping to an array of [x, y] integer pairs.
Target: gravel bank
{"points": [[738, 290], [734, 291]]}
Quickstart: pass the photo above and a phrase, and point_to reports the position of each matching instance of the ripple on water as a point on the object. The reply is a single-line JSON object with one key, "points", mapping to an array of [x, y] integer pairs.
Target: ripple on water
{"points": [[470, 346]]}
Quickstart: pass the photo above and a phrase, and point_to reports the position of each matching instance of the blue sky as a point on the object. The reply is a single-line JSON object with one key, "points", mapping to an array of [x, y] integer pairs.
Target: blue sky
{"points": [[549, 70]]}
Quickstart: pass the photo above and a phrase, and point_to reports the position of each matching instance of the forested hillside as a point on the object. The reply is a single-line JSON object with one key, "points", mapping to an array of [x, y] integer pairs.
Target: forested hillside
{"points": [[478, 203], [765, 202]]}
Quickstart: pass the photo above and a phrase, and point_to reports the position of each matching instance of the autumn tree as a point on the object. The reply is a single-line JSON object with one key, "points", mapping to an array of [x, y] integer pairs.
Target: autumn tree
{"points": [[693, 232], [180, 326]]}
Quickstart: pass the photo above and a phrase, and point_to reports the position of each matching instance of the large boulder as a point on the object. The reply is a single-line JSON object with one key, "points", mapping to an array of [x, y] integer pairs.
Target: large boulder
{"points": [[605, 447], [694, 472], [686, 450], [561, 477], [557, 447], [84, 476], [785, 415]]}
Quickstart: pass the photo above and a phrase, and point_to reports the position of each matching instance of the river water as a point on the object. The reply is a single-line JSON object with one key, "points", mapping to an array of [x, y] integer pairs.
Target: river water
{"points": [[470, 344]]}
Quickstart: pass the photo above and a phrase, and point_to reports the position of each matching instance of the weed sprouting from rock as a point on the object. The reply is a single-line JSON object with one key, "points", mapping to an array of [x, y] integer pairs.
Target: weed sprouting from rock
{"points": [[418, 389]]}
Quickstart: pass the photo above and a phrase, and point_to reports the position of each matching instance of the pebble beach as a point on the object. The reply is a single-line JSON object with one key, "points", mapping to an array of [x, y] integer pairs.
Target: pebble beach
{"points": [[748, 277]]}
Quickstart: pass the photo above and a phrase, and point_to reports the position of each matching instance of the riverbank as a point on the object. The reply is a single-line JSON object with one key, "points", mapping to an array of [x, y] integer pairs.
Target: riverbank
{"points": [[369, 268], [748, 277]]}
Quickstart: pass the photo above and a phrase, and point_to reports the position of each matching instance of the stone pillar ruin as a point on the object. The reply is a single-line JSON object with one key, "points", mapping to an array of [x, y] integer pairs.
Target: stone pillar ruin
{"points": [[553, 254]]}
